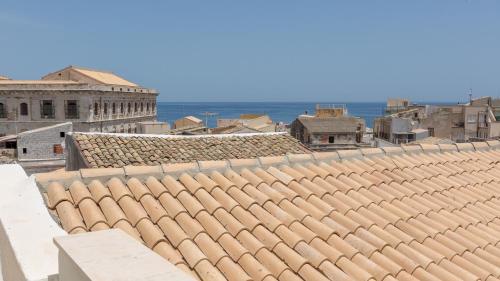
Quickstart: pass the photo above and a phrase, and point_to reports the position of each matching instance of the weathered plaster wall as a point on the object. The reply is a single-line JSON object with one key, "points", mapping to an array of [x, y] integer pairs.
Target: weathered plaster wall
{"points": [[39, 144]]}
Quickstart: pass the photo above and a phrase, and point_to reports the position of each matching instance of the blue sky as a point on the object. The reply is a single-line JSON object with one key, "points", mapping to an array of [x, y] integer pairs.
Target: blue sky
{"points": [[264, 50]]}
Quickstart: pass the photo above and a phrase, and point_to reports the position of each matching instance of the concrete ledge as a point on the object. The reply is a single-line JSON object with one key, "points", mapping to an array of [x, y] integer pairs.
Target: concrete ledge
{"points": [[393, 150], [480, 145], [412, 148], [447, 147], [350, 154], [430, 147], [494, 144], [376, 151], [112, 255], [467, 146], [26, 229]]}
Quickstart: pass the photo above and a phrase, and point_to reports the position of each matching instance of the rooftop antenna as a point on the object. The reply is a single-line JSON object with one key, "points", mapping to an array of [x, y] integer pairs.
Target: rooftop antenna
{"points": [[470, 95], [208, 114]]}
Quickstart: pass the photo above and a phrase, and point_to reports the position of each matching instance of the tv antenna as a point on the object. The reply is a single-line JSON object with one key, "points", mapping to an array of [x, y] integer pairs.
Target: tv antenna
{"points": [[208, 114]]}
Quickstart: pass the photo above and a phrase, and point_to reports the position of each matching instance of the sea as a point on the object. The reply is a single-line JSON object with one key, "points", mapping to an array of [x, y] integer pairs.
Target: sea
{"points": [[284, 112]]}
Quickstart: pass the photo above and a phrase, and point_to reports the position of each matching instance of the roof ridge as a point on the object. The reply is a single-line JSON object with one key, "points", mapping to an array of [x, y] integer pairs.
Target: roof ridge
{"points": [[178, 136], [177, 169], [76, 67]]}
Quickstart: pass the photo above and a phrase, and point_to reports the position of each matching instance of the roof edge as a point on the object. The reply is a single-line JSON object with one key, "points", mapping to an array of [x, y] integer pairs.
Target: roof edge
{"points": [[193, 168]]}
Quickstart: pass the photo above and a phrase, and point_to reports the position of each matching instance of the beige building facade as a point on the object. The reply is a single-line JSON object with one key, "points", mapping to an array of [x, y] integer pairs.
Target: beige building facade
{"points": [[94, 101]]}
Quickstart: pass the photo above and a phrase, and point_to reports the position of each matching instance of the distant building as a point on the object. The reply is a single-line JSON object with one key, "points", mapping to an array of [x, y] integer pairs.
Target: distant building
{"points": [[153, 127], [188, 122], [396, 105], [247, 123], [477, 120], [234, 129], [45, 143], [333, 129], [93, 100], [38, 150]]}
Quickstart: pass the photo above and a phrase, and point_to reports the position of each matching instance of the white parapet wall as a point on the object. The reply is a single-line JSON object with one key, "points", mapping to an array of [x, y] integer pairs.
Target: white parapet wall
{"points": [[112, 255], [27, 251]]}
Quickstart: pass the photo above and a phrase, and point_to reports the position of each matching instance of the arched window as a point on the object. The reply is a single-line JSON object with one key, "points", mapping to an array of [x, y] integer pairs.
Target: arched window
{"points": [[121, 107], [129, 108], [105, 108], [142, 107], [96, 109], [147, 107], [135, 107], [2, 111], [23, 109], [113, 108]]}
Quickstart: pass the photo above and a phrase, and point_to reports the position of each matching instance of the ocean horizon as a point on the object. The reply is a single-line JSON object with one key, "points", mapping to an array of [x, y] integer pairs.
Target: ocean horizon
{"points": [[284, 112]]}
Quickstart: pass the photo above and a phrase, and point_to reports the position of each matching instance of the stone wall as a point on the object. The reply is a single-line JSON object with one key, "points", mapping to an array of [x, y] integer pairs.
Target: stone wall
{"points": [[88, 117], [40, 144]]}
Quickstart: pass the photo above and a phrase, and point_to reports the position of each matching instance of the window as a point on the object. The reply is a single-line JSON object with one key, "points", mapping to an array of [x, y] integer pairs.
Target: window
{"points": [[113, 108], [62, 134], [2, 111], [23, 109], [431, 132], [147, 107], [47, 109], [135, 107], [71, 109], [153, 107], [58, 149], [25, 150], [331, 139], [142, 107], [129, 108], [121, 107], [105, 108], [96, 109]]}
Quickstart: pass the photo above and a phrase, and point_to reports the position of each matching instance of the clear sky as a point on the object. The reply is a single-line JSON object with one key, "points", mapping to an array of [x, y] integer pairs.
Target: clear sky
{"points": [[264, 50]]}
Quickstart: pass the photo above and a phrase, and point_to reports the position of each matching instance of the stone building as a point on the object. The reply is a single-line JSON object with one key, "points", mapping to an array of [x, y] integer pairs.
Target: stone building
{"points": [[329, 129], [477, 120], [45, 143], [95, 101], [188, 122], [247, 123]]}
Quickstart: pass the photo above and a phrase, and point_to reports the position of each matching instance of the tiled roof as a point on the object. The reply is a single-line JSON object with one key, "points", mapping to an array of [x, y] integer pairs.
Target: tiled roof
{"points": [[104, 76], [431, 214], [118, 150], [331, 124]]}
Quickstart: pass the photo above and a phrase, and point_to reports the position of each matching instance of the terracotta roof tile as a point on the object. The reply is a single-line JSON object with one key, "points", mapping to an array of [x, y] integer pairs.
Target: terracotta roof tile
{"points": [[118, 150], [390, 215]]}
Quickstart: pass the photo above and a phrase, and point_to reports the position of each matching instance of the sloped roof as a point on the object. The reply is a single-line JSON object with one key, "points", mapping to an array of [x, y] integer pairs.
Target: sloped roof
{"points": [[234, 128], [192, 118], [427, 213], [104, 77], [330, 124], [118, 150]]}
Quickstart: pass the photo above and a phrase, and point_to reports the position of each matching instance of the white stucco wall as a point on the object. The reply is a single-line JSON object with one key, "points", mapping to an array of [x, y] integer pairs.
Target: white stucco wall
{"points": [[27, 251]]}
